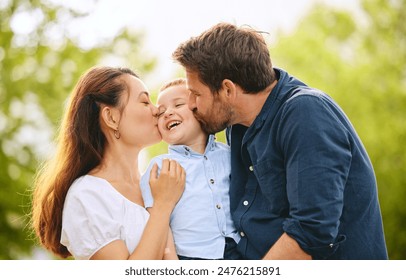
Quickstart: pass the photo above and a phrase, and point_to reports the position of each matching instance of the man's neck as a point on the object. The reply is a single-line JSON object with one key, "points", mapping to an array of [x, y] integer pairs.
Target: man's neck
{"points": [[250, 105]]}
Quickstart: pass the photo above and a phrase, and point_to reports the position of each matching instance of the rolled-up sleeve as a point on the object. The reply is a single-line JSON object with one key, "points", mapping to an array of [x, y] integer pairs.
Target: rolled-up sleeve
{"points": [[317, 151]]}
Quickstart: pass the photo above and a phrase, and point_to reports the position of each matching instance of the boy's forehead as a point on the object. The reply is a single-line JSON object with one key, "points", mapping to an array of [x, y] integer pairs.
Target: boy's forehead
{"points": [[172, 94]]}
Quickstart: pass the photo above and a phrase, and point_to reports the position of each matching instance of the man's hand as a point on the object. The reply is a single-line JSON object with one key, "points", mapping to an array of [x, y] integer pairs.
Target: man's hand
{"points": [[286, 248]]}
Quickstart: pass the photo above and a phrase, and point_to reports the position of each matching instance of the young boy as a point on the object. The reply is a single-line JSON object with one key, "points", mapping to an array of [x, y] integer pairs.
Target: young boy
{"points": [[201, 222]]}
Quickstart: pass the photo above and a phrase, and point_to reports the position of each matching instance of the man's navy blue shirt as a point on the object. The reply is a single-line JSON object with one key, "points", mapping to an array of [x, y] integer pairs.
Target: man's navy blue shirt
{"points": [[301, 168]]}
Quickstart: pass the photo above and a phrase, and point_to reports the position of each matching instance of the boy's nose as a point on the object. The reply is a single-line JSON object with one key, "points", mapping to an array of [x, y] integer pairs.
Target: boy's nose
{"points": [[168, 112]]}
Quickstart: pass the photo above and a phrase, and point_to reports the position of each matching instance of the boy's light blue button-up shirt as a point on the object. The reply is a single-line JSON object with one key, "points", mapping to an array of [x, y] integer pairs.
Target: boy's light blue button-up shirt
{"points": [[201, 220]]}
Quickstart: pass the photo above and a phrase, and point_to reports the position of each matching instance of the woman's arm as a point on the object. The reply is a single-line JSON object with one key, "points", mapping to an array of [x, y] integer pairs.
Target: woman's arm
{"points": [[170, 250]]}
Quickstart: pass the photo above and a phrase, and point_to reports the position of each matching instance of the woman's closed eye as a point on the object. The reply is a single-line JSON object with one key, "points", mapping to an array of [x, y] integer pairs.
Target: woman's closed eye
{"points": [[145, 101]]}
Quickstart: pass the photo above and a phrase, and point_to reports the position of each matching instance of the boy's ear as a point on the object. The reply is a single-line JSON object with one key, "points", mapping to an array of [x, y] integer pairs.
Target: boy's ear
{"points": [[110, 117]]}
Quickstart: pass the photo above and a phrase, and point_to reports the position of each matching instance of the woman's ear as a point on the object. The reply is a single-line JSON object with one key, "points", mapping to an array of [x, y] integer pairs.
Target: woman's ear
{"points": [[110, 117]]}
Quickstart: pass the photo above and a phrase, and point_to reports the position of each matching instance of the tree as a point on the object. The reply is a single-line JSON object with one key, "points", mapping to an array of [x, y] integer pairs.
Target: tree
{"points": [[39, 64], [360, 62]]}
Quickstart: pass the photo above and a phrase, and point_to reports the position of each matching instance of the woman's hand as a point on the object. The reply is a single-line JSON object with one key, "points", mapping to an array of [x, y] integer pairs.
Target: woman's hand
{"points": [[167, 188]]}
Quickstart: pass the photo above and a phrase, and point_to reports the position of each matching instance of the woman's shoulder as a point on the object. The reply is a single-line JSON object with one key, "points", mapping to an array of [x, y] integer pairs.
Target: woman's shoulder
{"points": [[87, 183], [92, 190]]}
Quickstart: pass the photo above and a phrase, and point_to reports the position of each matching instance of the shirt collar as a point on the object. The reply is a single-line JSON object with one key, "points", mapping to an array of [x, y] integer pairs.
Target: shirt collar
{"points": [[186, 151], [271, 106], [270, 101]]}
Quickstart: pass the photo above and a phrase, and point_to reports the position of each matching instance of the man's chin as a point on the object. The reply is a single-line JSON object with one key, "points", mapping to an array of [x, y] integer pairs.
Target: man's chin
{"points": [[199, 119], [210, 128]]}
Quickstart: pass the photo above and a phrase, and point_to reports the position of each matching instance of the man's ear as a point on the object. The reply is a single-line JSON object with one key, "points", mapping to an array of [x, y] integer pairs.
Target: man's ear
{"points": [[110, 117], [229, 89]]}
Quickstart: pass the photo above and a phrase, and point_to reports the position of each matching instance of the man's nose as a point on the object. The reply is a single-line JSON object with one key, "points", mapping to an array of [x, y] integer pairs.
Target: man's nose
{"points": [[192, 102]]}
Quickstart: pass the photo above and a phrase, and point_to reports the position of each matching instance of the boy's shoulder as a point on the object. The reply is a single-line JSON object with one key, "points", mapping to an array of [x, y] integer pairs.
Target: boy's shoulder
{"points": [[158, 159], [221, 146]]}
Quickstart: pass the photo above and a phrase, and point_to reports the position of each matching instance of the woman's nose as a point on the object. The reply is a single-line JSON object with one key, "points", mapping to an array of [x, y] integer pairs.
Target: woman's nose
{"points": [[154, 110]]}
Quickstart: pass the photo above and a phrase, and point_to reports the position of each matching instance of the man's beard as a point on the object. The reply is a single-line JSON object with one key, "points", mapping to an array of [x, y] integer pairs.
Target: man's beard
{"points": [[216, 121]]}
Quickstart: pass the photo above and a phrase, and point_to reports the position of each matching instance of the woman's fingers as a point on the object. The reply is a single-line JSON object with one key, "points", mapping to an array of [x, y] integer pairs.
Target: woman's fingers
{"points": [[174, 168], [182, 174], [165, 165], [168, 186], [154, 172], [171, 167]]}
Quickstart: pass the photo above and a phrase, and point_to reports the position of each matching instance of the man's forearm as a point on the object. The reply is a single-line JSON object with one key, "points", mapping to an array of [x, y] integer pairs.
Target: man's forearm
{"points": [[286, 248]]}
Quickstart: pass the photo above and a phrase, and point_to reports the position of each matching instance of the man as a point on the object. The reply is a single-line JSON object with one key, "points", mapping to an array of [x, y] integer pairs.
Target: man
{"points": [[302, 184]]}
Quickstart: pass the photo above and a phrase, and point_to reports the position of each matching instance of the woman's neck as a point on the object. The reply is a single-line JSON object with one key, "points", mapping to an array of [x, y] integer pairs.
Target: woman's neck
{"points": [[119, 166]]}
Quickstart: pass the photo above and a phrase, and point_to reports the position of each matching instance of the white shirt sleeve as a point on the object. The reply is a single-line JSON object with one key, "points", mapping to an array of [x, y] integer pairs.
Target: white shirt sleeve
{"points": [[90, 220]]}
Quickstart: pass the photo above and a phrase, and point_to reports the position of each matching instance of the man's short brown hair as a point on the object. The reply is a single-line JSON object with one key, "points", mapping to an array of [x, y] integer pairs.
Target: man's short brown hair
{"points": [[226, 51]]}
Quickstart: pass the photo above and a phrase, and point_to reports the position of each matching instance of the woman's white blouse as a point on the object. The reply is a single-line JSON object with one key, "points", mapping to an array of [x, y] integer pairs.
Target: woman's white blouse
{"points": [[95, 214]]}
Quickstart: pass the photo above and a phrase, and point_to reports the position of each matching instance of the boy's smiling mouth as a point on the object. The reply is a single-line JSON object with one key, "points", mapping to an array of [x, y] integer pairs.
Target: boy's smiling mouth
{"points": [[171, 125]]}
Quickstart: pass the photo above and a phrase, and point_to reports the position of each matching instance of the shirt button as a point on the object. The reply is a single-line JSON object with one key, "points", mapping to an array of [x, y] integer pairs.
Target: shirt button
{"points": [[205, 157], [242, 233], [218, 206], [211, 181], [245, 203], [251, 168]]}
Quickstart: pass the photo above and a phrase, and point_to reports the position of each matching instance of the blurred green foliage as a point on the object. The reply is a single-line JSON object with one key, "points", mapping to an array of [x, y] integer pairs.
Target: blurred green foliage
{"points": [[359, 60], [39, 64]]}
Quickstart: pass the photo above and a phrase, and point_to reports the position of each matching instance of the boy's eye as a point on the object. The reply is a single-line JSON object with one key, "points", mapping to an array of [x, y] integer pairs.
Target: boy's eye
{"points": [[179, 105], [160, 113]]}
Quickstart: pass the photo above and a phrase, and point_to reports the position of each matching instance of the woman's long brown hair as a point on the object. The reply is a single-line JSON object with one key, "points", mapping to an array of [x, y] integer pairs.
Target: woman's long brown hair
{"points": [[80, 148]]}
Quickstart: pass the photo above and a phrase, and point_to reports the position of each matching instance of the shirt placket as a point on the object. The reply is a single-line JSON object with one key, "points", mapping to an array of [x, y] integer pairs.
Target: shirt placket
{"points": [[247, 199], [249, 191], [217, 202]]}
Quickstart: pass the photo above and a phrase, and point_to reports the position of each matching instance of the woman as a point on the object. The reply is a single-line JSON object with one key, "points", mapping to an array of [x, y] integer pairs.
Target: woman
{"points": [[87, 202]]}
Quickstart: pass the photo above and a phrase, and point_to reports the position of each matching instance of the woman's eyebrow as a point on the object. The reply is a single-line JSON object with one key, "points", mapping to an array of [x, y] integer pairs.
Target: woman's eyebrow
{"points": [[143, 93]]}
